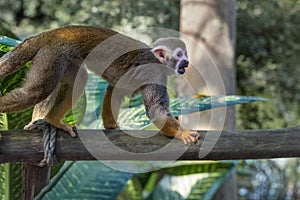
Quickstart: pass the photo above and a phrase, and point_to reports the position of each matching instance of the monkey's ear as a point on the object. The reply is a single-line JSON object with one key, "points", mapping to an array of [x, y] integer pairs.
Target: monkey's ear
{"points": [[160, 52]]}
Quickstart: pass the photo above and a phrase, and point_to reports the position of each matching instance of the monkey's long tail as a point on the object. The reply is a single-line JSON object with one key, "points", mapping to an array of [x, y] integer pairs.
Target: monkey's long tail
{"points": [[15, 59]]}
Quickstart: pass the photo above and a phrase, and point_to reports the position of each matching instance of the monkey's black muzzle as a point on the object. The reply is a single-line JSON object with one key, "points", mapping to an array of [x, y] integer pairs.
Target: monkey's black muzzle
{"points": [[182, 65]]}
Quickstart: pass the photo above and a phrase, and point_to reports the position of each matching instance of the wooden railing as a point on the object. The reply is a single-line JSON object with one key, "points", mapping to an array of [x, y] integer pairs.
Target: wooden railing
{"points": [[27, 146]]}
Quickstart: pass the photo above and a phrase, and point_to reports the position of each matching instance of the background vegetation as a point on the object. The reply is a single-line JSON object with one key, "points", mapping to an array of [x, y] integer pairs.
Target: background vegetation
{"points": [[267, 52], [268, 49]]}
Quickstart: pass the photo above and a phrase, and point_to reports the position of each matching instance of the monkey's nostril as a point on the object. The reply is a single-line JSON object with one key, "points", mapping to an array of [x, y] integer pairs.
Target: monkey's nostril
{"points": [[184, 63]]}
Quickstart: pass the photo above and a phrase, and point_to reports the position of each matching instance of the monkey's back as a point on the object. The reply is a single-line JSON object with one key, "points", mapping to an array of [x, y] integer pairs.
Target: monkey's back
{"points": [[110, 54], [80, 38], [113, 54]]}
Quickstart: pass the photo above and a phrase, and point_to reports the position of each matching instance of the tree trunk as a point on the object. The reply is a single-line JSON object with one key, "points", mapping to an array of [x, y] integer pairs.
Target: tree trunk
{"points": [[208, 27]]}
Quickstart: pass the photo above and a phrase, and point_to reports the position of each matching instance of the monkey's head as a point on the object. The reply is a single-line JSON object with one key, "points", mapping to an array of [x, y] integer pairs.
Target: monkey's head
{"points": [[172, 53]]}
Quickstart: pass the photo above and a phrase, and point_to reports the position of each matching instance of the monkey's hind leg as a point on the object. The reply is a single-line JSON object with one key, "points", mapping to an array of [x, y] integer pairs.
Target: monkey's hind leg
{"points": [[42, 109], [41, 80], [66, 96]]}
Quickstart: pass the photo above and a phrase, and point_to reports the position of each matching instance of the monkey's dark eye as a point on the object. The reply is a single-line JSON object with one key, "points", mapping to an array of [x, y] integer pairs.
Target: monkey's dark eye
{"points": [[179, 54]]}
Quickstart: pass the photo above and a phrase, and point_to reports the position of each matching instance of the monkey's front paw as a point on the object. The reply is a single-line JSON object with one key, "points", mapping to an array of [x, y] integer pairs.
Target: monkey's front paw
{"points": [[189, 137]]}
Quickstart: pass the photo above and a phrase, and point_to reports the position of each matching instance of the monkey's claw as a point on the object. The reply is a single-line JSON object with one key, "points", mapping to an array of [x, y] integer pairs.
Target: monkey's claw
{"points": [[74, 129]]}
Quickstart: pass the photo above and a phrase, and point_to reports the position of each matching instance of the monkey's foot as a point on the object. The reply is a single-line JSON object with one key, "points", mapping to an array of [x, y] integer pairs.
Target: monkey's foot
{"points": [[72, 130], [188, 136]]}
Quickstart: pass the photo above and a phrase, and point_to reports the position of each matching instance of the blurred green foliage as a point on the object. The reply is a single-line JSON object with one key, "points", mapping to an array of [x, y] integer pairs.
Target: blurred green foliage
{"points": [[268, 62], [31, 16]]}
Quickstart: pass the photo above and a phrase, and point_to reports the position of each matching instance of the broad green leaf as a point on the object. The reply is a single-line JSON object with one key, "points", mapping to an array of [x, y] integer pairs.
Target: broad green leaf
{"points": [[187, 105], [10, 181], [208, 177], [206, 188], [132, 190], [7, 41], [199, 167], [85, 180], [161, 193], [135, 118]]}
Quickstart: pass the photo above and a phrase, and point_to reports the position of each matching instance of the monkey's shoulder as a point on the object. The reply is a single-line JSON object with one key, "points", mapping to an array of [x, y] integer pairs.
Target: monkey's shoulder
{"points": [[138, 57]]}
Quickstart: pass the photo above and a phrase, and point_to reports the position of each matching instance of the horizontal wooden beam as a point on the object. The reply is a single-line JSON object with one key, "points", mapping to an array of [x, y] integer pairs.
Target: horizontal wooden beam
{"points": [[21, 145]]}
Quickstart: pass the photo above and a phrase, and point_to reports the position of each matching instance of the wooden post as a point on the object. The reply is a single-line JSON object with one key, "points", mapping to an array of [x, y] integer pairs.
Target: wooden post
{"points": [[34, 179]]}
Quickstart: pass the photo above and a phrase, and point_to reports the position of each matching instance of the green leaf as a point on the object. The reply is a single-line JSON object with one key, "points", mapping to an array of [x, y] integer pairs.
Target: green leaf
{"points": [[135, 118], [85, 180], [187, 105], [3, 121], [161, 193], [199, 167], [132, 190], [7, 41], [206, 188], [213, 175], [4, 49], [208, 177], [10, 181]]}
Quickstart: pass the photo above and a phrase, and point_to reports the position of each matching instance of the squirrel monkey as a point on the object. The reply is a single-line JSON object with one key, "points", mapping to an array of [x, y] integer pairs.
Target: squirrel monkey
{"points": [[56, 59]]}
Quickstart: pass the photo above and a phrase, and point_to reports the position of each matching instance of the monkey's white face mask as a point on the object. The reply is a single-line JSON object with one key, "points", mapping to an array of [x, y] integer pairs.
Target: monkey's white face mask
{"points": [[182, 61], [176, 59]]}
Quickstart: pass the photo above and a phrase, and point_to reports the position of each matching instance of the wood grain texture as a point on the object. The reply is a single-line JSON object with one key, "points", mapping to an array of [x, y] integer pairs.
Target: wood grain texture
{"points": [[26, 146]]}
